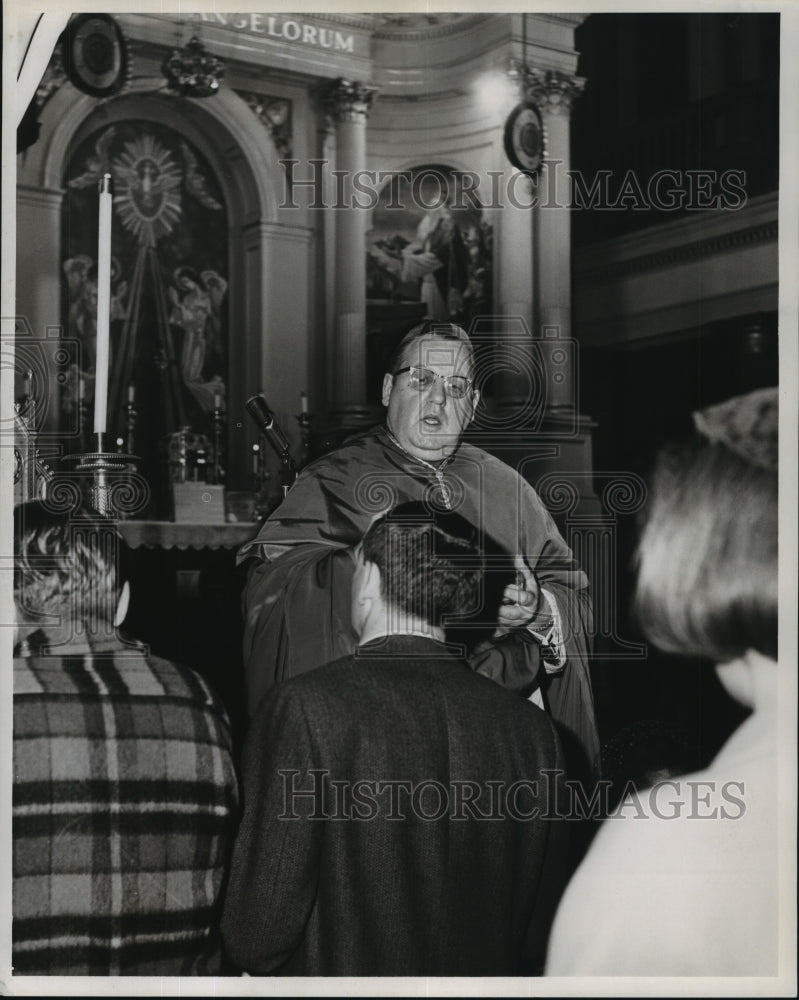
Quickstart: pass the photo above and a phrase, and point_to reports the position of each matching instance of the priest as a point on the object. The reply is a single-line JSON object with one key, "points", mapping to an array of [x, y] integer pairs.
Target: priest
{"points": [[296, 601]]}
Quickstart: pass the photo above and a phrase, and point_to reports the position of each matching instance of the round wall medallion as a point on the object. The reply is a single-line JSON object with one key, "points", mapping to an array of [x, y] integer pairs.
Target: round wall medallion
{"points": [[524, 138], [95, 59]]}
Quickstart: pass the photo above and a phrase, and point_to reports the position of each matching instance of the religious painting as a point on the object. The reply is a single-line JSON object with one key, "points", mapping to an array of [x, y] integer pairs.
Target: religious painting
{"points": [[168, 368], [431, 243]]}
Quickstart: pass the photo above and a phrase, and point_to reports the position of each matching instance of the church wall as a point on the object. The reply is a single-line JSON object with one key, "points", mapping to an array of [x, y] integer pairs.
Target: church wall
{"points": [[39, 275], [674, 278], [435, 105], [244, 160]]}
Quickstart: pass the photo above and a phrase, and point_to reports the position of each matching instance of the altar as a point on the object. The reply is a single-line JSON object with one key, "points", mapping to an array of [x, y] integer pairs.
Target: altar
{"points": [[183, 536], [186, 599]]}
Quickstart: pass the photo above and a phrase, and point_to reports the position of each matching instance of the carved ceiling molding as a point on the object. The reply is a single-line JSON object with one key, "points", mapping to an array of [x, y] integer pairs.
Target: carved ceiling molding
{"points": [[571, 20], [406, 27]]}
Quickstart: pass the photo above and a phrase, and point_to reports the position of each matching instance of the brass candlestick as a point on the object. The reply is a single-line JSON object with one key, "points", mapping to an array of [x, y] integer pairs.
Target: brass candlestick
{"points": [[130, 426], [218, 473], [107, 480], [84, 442]]}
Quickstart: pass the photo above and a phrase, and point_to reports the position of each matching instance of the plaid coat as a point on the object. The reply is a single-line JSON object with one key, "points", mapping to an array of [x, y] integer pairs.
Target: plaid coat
{"points": [[124, 799]]}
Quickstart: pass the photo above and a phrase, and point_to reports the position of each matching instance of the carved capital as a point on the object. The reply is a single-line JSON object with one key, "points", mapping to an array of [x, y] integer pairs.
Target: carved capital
{"points": [[275, 114], [347, 100], [553, 91]]}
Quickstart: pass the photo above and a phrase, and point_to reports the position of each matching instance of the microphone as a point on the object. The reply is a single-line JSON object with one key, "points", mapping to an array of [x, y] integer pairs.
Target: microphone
{"points": [[258, 409]]}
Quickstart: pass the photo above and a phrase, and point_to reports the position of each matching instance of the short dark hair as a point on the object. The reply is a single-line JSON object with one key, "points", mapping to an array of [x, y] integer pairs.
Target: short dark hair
{"points": [[707, 557], [429, 560], [66, 562], [439, 329]]}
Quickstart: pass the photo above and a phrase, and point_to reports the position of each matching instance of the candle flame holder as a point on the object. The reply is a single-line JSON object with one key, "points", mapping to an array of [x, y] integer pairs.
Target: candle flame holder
{"points": [[217, 471], [131, 414]]}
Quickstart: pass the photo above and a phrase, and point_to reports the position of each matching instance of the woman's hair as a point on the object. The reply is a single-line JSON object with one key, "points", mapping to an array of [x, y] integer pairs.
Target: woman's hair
{"points": [[707, 557]]}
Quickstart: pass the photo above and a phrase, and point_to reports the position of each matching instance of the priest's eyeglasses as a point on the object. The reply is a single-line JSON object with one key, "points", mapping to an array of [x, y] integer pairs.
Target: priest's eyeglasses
{"points": [[457, 386]]}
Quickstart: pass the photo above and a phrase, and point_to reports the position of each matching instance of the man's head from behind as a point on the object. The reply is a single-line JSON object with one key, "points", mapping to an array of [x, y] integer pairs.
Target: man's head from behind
{"points": [[66, 574], [416, 568], [429, 389]]}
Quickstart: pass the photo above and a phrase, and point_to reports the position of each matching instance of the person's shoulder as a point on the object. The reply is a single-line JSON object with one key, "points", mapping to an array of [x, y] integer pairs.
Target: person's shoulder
{"points": [[666, 817], [314, 696], [28, 678], [191, 709], [463, 689], [473, 452], [154, 676], [320, 683], [355, 447], [501, 478], [79, 670], [365, 676], [511, 705], [494, 469]]}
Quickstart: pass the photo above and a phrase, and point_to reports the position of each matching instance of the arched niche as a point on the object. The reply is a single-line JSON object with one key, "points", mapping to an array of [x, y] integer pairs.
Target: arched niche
{"points": [[245, 162], [441, 215], [222, 127]]}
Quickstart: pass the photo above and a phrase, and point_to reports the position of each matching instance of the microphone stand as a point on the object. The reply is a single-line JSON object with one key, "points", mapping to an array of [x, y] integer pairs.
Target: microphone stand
{"points": [[264, 418]]}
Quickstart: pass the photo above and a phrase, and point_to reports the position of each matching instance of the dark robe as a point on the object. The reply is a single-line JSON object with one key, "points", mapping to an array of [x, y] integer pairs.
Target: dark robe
{"points": [[297, 598]]}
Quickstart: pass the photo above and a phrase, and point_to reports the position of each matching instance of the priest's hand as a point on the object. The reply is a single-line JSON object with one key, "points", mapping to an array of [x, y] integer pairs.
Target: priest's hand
{"points": [[520, 600]]}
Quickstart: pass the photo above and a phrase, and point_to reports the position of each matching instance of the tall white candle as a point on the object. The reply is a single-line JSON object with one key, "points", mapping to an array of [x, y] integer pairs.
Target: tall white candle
{"points": [[103, 306], [303, 403]]}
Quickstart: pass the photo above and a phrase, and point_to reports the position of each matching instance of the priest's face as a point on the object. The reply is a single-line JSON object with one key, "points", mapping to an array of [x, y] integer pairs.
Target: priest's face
{"points": [[426, 414]]}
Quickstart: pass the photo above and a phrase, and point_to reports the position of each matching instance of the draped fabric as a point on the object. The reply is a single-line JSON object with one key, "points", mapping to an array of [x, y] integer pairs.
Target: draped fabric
{"points": [[297, 599]]}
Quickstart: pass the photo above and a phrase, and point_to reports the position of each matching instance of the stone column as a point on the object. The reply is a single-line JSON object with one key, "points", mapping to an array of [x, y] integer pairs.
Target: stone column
{"points": [[554, 92], [348, 103], [513, 270], [326, 344], [39, 289]]}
